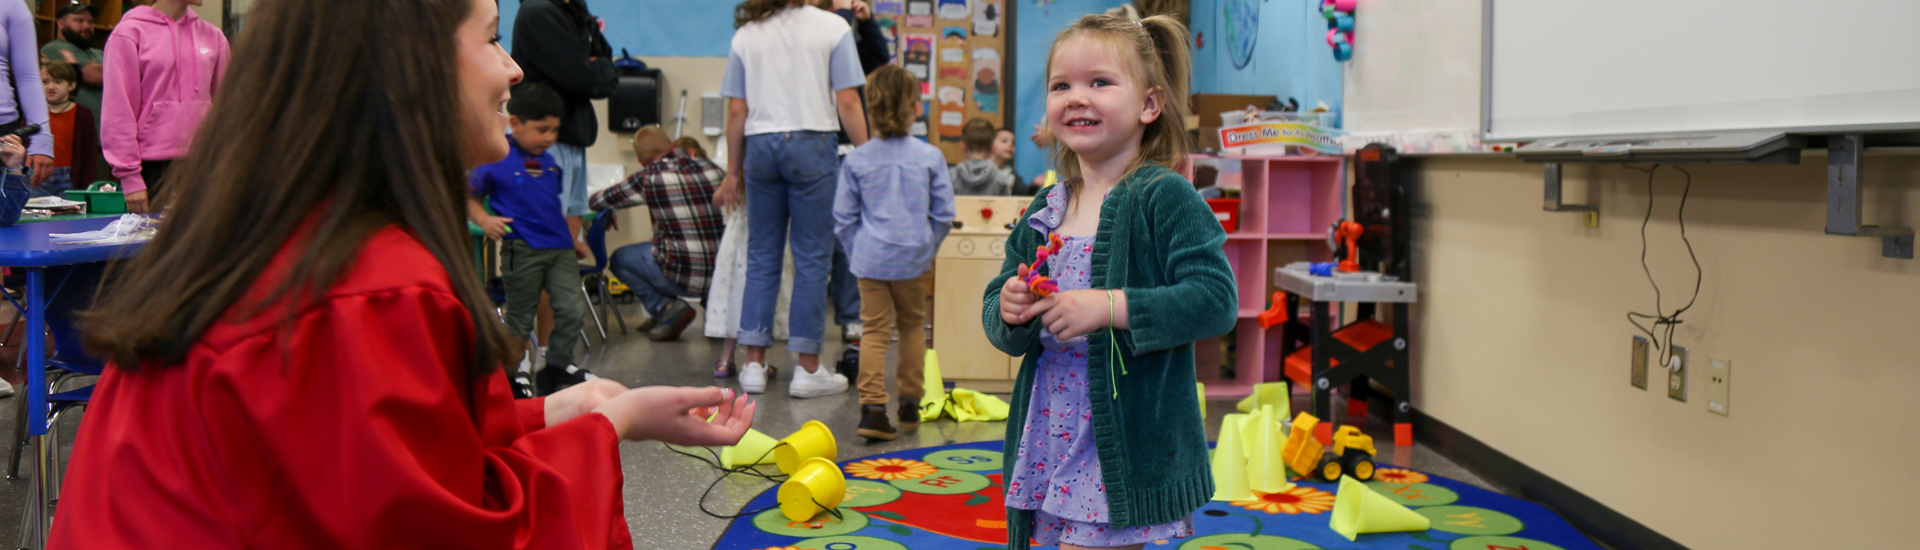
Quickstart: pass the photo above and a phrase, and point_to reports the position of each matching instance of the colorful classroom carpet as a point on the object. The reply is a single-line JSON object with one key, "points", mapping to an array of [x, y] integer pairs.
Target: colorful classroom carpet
{"points": [[949, 498]]}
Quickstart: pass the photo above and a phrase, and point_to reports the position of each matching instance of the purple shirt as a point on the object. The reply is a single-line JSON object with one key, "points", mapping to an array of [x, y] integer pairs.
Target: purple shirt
{"points": [[21, 61]]}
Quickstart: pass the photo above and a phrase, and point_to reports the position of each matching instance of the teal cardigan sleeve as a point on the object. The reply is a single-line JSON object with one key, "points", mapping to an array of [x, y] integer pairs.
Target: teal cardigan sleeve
{"points": [[1011, 339], [1201, 302]]}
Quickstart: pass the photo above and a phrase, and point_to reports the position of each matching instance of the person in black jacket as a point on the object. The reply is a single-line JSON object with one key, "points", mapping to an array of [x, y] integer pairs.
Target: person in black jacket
{"points": [[842, 288], [558, 43]]}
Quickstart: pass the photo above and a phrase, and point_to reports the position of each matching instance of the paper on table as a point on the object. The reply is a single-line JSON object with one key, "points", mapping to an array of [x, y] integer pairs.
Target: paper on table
{"points": [[129, 228]]}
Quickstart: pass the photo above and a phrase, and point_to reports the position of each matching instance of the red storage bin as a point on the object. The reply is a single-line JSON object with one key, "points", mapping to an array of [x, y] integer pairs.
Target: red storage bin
{"points": [[1227, 211]]}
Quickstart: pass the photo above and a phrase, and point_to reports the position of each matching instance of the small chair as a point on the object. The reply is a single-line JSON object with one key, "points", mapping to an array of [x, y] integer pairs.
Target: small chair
{"points": [[597, 290]]}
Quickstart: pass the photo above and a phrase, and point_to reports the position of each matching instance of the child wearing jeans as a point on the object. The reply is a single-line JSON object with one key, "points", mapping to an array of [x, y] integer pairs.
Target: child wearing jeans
{"points": [[1107, 444], [76, 139], [541, 247], [893, 208]]}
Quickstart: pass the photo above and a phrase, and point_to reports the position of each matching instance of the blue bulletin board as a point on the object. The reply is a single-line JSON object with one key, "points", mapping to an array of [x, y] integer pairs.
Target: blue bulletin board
{"points": [[652, 27], [1284, 55]]}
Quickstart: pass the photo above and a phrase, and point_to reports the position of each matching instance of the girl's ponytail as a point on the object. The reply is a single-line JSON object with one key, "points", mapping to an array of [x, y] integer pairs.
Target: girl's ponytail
{"points": [[1166, 140]]}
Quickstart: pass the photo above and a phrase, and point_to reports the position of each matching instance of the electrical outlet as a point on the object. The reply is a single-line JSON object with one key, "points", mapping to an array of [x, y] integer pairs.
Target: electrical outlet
{"points": [[1677, 374], [1640, 348], [1719, 377]]}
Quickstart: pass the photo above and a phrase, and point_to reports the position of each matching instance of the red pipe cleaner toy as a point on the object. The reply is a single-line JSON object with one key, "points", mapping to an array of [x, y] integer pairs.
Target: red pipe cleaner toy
{"points": [[1041, 285]]}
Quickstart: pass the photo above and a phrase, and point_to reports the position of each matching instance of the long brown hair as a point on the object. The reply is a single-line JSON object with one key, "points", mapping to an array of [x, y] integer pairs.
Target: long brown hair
{"points": [[754, 11], [329, 127], [1155, 49], [892, 95]]}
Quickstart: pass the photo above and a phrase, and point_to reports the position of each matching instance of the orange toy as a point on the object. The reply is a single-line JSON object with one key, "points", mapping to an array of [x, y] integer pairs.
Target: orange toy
{"points": [[1346, 234], [1041, 285]]}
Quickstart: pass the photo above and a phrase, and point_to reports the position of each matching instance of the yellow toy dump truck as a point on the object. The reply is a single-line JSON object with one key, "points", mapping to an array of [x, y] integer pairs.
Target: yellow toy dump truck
{"points": [[1352, 454]]}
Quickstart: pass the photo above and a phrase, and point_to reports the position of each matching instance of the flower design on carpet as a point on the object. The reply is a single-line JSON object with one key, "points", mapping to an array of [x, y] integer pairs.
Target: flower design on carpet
{"points": [[1299, 500], [889, 469], [1399, 476]]}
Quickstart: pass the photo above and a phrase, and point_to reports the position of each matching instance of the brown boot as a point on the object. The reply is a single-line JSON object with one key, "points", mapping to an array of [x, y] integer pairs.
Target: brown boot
{"points": [[873, 424], [909, 416]]}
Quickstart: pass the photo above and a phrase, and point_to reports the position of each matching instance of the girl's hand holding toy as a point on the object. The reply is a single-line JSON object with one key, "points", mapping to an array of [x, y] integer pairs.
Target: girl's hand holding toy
{"points": [[1077, 313]]}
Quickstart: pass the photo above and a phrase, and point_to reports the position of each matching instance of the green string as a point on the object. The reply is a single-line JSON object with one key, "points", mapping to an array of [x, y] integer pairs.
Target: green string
{"points": [[1113, 349]]}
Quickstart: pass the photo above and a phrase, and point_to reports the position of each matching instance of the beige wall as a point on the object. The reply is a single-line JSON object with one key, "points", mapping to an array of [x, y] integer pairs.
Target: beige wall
{"points": [[1525, 345], [696, 75]]}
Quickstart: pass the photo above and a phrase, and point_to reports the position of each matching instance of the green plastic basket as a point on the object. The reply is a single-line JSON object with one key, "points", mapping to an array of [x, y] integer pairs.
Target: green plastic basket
{"points": [[100, 202]]}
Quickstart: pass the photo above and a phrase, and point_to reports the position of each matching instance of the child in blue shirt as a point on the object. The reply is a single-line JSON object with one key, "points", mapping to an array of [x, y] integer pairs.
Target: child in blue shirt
{"points": [[893, 208], [541, 247]]}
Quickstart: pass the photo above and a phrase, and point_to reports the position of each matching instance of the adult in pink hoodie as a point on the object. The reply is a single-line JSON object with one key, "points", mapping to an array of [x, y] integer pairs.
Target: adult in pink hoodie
{"points": [[163, 65]]}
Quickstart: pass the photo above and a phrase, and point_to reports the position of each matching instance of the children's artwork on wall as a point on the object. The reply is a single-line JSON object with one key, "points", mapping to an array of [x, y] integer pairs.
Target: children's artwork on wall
{"points": [[1241, 22], [919, 13], [890, 29], [986, 80], [883, 7], [916, 55], [986, 17], [953, 112], [919, 128], [954, 10], [953, 53]]}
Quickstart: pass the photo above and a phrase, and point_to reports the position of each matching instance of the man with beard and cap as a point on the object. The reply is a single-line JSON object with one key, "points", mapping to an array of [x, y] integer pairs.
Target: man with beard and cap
{"points": [[74, 44]]}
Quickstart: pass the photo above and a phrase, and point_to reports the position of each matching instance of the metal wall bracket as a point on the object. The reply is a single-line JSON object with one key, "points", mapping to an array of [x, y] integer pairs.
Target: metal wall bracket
{"points": [[1553, 197], [1843, 199]]}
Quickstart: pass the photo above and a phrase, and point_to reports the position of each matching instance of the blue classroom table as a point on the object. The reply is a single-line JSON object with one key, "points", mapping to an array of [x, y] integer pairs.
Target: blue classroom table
{"points": [[29, 248]]}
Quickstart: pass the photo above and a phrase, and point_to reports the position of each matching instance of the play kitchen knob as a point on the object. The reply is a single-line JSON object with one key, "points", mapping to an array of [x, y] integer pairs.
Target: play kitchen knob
{"points": [[965, 246], [986, 213]]}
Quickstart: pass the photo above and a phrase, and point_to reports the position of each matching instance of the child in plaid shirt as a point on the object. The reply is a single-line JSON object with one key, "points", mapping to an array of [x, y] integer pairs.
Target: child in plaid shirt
{"points": [[677, 189]]}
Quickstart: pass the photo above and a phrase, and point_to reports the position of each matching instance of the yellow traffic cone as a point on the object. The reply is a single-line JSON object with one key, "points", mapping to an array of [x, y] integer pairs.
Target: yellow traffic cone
{"points": [[818, 486], [1250, 431], [1270, 393], [1275, 393], [934, 396], [1265, 472], [813, 439], [752, 449], [1357, 509], [1230, 463]]}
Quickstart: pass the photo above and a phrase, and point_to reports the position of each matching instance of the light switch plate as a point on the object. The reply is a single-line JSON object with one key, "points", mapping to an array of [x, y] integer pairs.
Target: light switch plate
{"points": [[1677, 379], [1640, 348], [1719, 377]]}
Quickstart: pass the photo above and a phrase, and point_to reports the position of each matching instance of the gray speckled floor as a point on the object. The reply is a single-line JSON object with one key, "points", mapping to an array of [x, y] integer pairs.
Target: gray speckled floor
{"points": [[663, 488]]}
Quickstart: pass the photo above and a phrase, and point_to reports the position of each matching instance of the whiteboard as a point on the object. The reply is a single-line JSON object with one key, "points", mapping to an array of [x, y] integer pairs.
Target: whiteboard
{"points": [[1416, 66], [1648, 67], [1414, 81]]}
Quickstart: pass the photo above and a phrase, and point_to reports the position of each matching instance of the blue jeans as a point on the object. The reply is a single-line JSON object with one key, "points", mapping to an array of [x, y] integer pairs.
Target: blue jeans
{"points": [[843, 289], [790, 180], [59, 180], [634, 265]]}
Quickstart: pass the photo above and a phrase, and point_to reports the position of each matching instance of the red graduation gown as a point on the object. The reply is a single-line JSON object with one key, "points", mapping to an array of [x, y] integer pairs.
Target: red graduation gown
{"points": [[357, 427]]}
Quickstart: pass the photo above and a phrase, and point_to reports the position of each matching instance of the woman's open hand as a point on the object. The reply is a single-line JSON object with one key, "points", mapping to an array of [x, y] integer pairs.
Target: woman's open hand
{"points": [[676, 415], [580, 399]]}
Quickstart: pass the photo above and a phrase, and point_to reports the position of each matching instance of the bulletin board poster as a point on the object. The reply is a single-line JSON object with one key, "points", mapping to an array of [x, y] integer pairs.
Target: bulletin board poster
{"points": [[958, 50]]}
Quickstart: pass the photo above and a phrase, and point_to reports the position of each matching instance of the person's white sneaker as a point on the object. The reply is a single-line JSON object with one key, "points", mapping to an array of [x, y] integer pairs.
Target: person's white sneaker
{"points": [[6, 389], [820, 383], [753, 378]]}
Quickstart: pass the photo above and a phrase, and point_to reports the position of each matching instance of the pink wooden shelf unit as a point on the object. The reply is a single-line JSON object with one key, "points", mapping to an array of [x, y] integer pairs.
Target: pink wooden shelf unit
{"points": [[1288, 201]]}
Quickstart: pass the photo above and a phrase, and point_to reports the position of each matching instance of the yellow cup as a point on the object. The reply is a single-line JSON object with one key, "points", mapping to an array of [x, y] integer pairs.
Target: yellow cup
{"points": [[817, 486], [813, 439]]}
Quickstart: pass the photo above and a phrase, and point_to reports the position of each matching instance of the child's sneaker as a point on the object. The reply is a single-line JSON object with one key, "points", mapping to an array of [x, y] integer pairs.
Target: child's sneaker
{"points": [[521, 379], [553, 379], [674, 321], [873, 423], [821, 382], [753, 378]]}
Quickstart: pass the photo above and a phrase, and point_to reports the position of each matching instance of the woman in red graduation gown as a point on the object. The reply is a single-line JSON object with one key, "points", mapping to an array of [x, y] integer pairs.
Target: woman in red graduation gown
{"points": [[304, 358]]}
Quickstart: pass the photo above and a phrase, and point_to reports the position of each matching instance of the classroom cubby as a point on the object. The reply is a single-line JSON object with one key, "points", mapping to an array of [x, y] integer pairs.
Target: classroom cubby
{"points": [[1286, 205]]}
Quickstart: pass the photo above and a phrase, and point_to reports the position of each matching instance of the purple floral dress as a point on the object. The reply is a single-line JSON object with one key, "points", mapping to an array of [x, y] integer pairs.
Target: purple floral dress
{"points": [[1056, 469]]}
